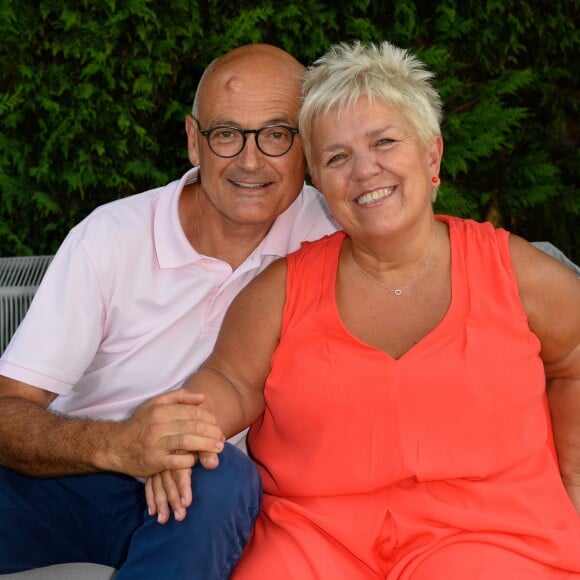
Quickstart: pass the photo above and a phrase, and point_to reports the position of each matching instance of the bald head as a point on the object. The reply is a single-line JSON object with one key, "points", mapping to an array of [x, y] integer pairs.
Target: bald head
{"points": [[252, 67]]}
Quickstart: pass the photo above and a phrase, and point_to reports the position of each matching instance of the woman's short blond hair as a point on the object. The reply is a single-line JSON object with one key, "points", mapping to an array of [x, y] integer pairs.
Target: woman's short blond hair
{"points": [[384, 71]]}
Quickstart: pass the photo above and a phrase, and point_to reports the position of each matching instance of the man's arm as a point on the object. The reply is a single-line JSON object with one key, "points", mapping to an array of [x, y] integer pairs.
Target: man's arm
{"points": [[37, 442]]}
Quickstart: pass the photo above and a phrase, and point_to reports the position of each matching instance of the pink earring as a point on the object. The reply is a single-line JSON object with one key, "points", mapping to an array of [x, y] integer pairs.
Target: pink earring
{"points": [[435, 179]]}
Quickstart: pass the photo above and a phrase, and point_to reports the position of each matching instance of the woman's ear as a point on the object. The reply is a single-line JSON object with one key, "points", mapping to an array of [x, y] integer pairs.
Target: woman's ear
{"points": [[312, 177], [192, 140], [435, 154]]}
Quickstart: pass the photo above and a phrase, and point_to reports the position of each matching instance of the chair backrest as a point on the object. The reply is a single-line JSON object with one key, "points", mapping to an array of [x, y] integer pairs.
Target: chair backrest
{"points": [[555, 252], [19, 279]]}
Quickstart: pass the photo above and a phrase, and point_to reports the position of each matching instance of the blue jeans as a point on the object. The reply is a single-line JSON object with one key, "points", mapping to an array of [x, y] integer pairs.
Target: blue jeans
{"points": [[102, 518]]}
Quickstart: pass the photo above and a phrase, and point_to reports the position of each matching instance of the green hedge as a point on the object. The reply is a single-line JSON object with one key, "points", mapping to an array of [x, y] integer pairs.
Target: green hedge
{"points": [[93, 96]]}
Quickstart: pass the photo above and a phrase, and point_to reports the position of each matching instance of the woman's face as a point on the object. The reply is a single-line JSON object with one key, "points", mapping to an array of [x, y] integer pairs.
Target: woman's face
{"points": [[372, 169]]}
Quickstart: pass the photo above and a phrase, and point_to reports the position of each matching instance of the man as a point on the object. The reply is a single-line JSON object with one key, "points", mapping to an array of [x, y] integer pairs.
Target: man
{"points": [[129, 308]]}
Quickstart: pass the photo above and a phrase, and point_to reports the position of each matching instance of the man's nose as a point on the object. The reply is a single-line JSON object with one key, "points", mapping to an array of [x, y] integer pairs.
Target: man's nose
{"points": [[251, 156]]}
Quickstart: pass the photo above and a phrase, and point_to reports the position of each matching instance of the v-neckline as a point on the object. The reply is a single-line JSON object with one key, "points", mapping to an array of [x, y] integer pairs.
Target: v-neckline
{"points": [[432, 334]]}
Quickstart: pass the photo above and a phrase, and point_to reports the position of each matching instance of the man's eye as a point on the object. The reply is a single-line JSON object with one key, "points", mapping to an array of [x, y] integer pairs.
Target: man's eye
{"points": [[276, 134], [224, 134]]}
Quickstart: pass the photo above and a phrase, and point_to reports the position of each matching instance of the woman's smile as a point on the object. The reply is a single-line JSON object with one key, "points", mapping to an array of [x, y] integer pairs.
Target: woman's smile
{"points": [[375, 196]]}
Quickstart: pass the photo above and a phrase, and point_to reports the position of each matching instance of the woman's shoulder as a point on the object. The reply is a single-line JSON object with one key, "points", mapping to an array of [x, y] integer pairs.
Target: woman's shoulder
{"points": [[330, 240], [471, 227]]}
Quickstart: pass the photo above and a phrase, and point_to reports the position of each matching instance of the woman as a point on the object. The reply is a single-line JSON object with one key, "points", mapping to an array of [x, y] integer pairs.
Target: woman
{"points": [[403, 431]]}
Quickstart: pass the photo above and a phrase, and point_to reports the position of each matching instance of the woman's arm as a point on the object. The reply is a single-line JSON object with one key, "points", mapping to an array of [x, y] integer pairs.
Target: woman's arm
{"points": [[550, 293], [231, 380]]}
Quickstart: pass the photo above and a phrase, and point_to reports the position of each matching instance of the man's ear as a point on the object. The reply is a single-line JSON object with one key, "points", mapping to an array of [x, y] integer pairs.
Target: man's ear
{"points": [[192, 140]]}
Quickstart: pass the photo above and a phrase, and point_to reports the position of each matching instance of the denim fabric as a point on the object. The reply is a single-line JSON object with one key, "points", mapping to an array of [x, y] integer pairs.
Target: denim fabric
{"points": [[102, 518]]}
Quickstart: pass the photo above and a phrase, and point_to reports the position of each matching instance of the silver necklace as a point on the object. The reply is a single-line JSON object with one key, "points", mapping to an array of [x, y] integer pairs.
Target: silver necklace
{"points": [[397, 291]]}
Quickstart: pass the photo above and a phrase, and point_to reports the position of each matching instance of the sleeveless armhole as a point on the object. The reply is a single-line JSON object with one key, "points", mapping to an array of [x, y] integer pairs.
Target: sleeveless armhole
{"points": [[302, 288]]}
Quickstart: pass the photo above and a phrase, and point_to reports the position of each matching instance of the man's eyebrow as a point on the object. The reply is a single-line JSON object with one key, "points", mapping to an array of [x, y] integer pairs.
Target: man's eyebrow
{"points": [[274, 121]]}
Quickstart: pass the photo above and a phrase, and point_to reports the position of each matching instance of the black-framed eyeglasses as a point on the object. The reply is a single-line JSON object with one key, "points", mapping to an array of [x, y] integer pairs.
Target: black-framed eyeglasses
{"points": [[272, 140]]}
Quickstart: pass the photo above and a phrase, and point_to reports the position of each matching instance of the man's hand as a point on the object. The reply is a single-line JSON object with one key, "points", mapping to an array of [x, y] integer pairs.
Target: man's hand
{"points": [[165, 433]]}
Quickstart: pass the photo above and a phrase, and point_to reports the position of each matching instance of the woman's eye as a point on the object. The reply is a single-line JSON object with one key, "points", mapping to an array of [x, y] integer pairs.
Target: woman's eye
{"points": [[335, 159], [386, 141]]}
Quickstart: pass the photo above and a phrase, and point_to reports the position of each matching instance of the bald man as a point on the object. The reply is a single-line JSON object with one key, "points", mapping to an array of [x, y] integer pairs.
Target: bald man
{"points": [[129, 308]]}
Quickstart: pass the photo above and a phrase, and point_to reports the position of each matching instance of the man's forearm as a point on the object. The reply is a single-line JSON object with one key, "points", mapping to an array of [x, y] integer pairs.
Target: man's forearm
{"points": [[36, 442], [163, 433]]}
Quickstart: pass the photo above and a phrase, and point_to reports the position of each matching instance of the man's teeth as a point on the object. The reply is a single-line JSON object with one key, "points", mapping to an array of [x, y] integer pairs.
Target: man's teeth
{"points": [[374, 196], [250, 185]]}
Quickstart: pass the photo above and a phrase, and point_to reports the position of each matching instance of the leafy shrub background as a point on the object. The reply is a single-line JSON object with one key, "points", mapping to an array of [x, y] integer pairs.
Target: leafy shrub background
{"points": [[93, 97]]}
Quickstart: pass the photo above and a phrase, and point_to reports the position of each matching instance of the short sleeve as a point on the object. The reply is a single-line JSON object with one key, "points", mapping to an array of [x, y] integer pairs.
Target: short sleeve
{"points": [[63, 327]]}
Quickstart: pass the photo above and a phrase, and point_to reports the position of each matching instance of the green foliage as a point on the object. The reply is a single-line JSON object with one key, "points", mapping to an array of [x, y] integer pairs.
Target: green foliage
{"points": [[86, 88], [93, 96]]}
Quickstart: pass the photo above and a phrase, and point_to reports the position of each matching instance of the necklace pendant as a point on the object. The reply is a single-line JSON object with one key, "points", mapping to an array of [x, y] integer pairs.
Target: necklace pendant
{"points": [[397, 292]]}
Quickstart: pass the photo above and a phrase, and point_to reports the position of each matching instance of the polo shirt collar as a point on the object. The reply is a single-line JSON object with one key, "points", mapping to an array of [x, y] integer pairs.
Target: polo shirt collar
{"points": [[171, 244]]}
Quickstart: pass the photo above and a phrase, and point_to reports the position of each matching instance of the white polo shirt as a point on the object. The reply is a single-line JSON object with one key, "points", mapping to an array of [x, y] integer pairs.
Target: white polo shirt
{"points": [[128, 309]]}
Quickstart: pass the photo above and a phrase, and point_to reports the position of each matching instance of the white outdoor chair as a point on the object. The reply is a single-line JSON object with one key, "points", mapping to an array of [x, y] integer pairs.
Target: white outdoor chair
{"points": [[19, 279]]}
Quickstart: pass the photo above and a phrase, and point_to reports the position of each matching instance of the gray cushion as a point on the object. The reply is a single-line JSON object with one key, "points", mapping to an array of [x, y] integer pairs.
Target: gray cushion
{"points": [[77, 571]]}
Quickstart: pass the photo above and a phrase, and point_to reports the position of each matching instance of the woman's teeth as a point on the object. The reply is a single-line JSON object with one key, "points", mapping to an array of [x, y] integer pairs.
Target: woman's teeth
{"points": [[374, 196]]}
